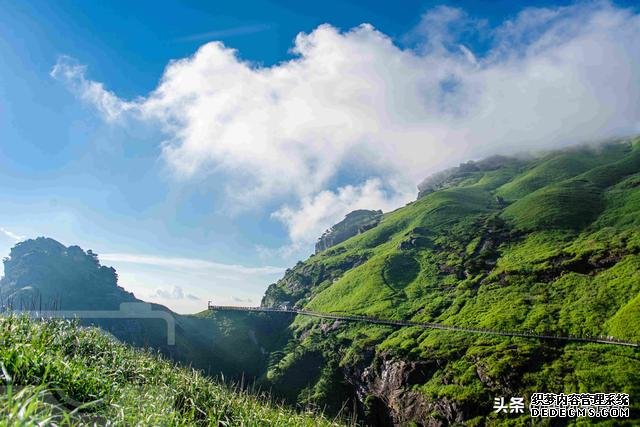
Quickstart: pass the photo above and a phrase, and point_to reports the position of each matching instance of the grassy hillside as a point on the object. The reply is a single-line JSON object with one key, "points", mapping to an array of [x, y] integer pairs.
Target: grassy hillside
{"points": [[45, 274], [55, 372], [550, 244]]}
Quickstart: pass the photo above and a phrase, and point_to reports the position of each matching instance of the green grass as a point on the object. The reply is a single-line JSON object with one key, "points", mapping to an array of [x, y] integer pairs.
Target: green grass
{"points": [[55, 372], [559, 253], [626, 322], [609, 174], [570, 204], [557, 168]]}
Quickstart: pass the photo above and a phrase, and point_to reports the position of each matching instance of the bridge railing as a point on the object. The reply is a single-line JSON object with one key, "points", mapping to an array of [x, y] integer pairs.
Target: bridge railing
{"points": [[441, 326]]}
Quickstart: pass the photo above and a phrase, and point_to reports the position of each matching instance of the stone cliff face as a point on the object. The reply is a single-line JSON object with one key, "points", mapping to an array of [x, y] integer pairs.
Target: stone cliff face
{"points": [[355, 222], [384, 386]]}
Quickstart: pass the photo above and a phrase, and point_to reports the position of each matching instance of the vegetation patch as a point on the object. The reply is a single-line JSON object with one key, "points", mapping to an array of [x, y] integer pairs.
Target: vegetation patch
{"points": [[54, 372], [548, 245], [571, 204], [399, 270]]}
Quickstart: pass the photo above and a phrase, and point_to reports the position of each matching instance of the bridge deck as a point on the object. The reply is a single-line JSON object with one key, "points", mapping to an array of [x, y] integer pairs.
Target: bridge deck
{"points": [[391, 322]]}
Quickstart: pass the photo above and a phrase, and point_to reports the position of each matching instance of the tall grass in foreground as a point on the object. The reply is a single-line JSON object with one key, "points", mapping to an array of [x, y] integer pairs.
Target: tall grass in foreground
{"points": [[56, 373]]}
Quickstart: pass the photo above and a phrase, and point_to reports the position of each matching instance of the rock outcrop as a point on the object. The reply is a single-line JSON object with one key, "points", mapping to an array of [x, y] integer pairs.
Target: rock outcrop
{"points": [[385, 384], [355, 222]]}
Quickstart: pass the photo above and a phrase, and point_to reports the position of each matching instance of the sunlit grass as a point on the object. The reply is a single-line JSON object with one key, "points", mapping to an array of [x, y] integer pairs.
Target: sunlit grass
{"points": [[54, 372]]}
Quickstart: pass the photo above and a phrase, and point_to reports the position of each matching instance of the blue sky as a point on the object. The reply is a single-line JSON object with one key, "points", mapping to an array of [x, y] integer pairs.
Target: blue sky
{"points": [[204, 178]]}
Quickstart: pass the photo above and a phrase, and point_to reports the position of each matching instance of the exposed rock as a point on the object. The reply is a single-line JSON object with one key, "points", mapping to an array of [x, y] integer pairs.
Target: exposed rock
{"points": [[384, 385], [588, 265], [355, 222], [417, 238], [415, 242], [327, 327]]}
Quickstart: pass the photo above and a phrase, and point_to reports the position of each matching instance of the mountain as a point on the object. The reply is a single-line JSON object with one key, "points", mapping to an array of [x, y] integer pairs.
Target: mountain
{"points": [[43, 274], [456, 175], [548, 244], [354, 223]]}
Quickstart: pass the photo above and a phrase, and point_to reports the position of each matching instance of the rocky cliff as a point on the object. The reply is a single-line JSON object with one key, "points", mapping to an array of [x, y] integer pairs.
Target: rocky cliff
{"points": [[354, 223]]}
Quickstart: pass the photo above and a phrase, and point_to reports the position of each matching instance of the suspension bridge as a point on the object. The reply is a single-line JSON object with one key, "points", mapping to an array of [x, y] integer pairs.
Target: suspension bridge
{"points": [[409, 323]]}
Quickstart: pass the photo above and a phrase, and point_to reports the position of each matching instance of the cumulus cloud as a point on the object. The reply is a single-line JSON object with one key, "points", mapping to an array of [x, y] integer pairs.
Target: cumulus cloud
{"points": [[308, 220], [174, 293], [355, 100]]}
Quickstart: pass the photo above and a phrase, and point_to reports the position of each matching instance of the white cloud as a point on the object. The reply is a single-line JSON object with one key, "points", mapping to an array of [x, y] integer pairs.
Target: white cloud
{"points": [[188, 264], [354, 100], [11, 235], [174, 293], [73, 74], [307, 221]]}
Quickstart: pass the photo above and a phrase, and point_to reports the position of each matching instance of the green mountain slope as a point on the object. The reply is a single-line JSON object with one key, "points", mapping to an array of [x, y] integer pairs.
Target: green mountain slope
{"points": [[550, 245], [56, 373]]}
